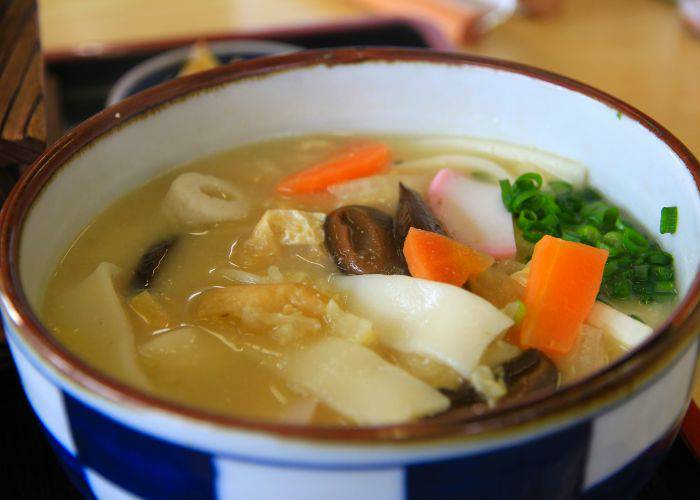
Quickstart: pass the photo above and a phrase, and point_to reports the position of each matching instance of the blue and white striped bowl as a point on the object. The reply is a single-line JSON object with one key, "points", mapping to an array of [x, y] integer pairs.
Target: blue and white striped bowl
{"points": [[597, 438]]}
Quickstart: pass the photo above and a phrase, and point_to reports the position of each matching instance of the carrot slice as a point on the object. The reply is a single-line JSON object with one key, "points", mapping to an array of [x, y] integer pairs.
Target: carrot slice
{"points": [[564, 281], [357, 160], [436, 257]]}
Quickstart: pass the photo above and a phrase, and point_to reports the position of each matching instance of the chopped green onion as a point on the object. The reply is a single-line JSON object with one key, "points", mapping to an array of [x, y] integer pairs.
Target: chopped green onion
{"points": [[570, 218], [549, 221], [636, 266], [527, 219], [506, 193], [590, 234], [621, 289], [589, 194], [571, 236], [669, 220], [611, 268], [529, 181], [665, 288], [560, 187], [613, 238], [516, 310], [519, 312], [627, 260], [533, 236], [659, 257], [634, 241], [641, 273], [600, 214], [662, 273], [523, 197]]}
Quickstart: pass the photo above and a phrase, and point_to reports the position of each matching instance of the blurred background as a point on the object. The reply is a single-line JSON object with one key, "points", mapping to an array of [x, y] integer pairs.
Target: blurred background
{"points": [[643, 51]]}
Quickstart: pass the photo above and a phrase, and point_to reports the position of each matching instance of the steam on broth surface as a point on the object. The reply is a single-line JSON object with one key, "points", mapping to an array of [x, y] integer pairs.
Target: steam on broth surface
{"points": [[225, 285]]}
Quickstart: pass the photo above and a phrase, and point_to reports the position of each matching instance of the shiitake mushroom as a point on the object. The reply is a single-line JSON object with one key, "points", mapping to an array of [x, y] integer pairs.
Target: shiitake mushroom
{"points": [[464, 395], [412, 211], [361, 241], [150, 262], [364, 240], [529, 372]]}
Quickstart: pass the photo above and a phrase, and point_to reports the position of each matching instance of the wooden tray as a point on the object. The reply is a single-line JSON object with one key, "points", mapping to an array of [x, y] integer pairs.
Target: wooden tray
{"points": [[22, 116]]}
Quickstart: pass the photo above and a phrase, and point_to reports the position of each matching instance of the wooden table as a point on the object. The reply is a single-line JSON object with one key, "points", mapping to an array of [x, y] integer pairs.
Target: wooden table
{"points": [[637, 50]]}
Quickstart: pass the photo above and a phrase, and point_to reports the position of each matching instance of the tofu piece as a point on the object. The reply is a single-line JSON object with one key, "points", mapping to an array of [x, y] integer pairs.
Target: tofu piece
{"points": [[286, 227]]}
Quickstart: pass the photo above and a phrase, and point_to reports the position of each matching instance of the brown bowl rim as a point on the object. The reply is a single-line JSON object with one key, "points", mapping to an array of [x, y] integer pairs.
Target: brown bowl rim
{"points": [[609, 384]]}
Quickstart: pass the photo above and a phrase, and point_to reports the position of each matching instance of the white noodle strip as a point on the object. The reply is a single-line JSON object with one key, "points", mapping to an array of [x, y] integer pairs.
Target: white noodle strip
{"points": [[560, 167], [457, 162]]}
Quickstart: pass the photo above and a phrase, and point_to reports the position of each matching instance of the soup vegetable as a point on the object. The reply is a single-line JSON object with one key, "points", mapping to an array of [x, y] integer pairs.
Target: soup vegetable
{"points": [[347, 280]]}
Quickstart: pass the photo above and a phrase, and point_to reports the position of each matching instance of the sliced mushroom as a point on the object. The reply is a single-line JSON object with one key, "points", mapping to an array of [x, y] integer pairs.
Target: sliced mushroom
{"points": [[361, 241], [413, 212], [150, 262], [465, 401], [464, 395], [530, 372]]}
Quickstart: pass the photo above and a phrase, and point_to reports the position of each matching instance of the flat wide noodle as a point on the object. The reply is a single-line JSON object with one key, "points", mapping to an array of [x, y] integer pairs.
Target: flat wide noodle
{"points": [[105, 336], [458, 162], [358, 383], [526, 158], [409, 314]]}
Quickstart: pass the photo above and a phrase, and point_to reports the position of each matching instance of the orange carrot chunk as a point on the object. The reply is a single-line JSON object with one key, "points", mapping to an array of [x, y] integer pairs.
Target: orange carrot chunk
{"points": [[358, 160], [436, 257], [564, 281]]}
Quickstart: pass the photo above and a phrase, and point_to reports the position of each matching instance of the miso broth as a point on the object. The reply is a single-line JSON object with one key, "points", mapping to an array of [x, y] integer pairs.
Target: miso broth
{"points": [[249, 318]]}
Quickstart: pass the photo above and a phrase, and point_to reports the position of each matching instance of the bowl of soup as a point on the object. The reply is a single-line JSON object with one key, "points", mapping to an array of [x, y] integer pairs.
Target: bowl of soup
{"points": [[359, 273]]}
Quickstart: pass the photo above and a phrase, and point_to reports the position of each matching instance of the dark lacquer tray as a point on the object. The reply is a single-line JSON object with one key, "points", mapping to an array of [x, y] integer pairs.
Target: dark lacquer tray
{"points": [[80, 86]]}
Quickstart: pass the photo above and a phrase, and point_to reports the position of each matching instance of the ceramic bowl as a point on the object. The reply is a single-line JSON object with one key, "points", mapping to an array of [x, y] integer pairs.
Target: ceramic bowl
{"points": [[599, 437]]}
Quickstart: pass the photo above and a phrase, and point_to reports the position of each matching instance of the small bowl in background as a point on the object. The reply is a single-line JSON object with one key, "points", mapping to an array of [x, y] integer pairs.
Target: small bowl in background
{"points": [[166, 66]]}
